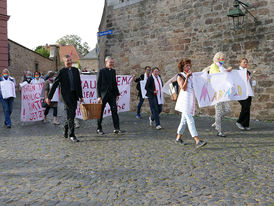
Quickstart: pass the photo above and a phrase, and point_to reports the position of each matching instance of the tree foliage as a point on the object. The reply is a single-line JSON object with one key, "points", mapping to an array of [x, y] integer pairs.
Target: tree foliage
{"points": [[76, 41], [43, 51]]}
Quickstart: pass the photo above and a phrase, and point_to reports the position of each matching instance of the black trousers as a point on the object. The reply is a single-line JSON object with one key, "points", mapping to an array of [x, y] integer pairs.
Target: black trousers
{"points": [[70, 109], [244, 117], [111, 100], [54, 111]]}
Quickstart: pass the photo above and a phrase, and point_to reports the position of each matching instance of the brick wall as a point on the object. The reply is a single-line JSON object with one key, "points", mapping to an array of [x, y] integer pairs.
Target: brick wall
{"points": [[159, 32], [3, 35], [22, 58]]}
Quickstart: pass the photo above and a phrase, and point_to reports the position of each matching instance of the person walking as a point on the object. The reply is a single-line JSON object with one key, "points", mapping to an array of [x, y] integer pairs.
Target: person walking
{"points": [[221, 108], [186, 103], [107, 92], [144, 78], [37, 78], [7, 95], [54, 102], [71, 90], [154, 87], [244, 118]]}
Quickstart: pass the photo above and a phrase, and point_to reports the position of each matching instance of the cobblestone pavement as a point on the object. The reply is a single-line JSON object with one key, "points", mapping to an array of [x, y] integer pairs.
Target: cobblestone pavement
{"points": [[141, 167]]}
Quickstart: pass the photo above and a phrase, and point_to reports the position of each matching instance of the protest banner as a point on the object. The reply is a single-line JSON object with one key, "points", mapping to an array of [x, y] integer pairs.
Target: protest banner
{"points": [[90, 93], [210, 89], [7, 89], [31, 108]]}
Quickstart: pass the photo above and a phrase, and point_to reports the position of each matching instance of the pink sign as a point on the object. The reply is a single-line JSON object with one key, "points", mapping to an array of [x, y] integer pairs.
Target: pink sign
{"points": [[31, 108], [90, 93]]}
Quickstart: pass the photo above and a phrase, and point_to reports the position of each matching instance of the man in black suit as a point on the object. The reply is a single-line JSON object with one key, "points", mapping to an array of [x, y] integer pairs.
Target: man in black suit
{"points": [[107, 92], [71, 91]]}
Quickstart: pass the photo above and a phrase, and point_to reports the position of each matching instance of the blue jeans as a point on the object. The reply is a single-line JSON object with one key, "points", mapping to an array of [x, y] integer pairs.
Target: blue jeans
{"points": [[140, 105], [155, 109], [7, 105], [187, 119]]}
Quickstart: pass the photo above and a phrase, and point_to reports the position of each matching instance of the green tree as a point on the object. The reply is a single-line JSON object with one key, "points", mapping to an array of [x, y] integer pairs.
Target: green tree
{"points": [[76, 41], [43, 51]]}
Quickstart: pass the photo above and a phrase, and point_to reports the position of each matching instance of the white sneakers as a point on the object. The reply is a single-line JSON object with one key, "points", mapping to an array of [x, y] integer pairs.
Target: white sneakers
{"points": [[158, 127], [240, 126], [150, 122]]}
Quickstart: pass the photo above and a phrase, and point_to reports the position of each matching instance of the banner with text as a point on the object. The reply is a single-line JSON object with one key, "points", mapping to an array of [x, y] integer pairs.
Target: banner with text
{"points": [[31, 108], [90, 93], [220, 87]]}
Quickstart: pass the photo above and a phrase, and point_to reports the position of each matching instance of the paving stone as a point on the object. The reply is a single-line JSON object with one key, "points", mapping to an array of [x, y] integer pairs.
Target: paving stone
{"points": [[141, 167]]}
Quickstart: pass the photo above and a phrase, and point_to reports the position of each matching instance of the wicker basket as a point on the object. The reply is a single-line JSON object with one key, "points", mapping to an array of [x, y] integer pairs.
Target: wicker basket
{"points": [[91, 111]]}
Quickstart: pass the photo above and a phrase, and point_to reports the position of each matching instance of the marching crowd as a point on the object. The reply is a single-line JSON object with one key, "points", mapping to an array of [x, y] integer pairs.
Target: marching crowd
{"points": [[67, 81]]}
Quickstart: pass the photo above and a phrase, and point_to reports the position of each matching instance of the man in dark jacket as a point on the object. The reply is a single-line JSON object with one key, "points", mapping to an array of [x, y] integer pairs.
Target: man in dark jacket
{"points": [[107, 92], [144, 76], [154, 87], [71, 91]]}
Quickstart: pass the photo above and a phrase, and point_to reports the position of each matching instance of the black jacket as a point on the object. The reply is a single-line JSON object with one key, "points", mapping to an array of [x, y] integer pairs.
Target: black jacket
{"points": [[138, 86], [106, 83], [150, 86], [62, 78]]}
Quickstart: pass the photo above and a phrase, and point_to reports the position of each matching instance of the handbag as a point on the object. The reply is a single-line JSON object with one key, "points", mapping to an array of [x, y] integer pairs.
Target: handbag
{"points": [[173, 87], [44, 104]]}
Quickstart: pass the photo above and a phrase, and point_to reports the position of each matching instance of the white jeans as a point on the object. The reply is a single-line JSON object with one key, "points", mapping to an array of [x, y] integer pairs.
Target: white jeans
{"points": [[187, 119]]}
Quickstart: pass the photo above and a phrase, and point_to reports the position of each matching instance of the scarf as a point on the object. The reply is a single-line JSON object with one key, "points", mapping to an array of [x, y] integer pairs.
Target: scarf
{"points": [[159, 88]]}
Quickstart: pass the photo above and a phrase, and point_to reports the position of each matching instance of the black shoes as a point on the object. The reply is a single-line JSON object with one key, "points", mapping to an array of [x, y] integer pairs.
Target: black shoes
{"points": [[201, 143], [179, 141], [99, 131], [74, 139], [117, 131], [65, 135]]}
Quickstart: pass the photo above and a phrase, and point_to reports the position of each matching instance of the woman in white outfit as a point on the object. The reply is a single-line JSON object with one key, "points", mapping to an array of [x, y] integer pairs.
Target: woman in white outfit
{"points": [[186, 103]]}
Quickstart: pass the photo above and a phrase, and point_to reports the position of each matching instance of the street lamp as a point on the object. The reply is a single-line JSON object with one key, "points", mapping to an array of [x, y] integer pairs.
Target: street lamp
{"points": [[238, 15]]}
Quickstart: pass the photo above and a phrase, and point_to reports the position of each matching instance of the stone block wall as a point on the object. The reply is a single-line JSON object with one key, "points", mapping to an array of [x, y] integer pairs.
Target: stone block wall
{"points": [[89, 64], [160, 32], [22, 59]]}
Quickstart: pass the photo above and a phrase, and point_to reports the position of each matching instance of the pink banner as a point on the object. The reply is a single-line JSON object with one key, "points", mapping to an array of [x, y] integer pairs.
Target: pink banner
{"points": [[90, 93], [31, 108]]}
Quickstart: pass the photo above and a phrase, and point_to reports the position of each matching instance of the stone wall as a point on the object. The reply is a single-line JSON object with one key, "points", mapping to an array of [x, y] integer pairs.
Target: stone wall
{"points": [[89, 64], [22, 58], [160, 32]]}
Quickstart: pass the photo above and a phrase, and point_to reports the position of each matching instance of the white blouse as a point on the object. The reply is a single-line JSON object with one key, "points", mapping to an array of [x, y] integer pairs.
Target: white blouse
{"points": [[186, 99]]}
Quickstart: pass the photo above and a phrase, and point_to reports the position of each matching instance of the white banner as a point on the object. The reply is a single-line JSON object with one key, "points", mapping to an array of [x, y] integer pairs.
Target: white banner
{"points": [[31, 108], [220, 87], [7, 89], [90, 93]]}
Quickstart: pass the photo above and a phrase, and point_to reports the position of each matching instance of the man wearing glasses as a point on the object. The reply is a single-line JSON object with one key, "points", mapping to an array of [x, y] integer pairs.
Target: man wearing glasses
{"points": [[143, 77]]}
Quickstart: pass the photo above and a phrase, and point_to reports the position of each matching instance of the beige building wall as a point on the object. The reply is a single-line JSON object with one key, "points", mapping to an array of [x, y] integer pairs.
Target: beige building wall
{"points": [[89, 64], [22, 59], [159, 33]]}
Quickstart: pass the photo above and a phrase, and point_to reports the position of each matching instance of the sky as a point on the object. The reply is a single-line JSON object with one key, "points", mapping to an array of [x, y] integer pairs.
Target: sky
{"points": [[39, 22]]}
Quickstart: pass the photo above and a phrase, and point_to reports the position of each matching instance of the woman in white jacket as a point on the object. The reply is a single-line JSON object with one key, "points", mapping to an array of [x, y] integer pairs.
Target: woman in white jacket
{"points": [[186, 103], [7, 95]]}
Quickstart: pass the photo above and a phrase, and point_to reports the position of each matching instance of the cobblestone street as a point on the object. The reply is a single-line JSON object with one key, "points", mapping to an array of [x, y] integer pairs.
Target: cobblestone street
{"points": [[144, 166]]}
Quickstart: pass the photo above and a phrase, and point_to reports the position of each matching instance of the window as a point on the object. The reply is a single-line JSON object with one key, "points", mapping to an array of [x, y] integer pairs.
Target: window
{"points": [[36, 66]]}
